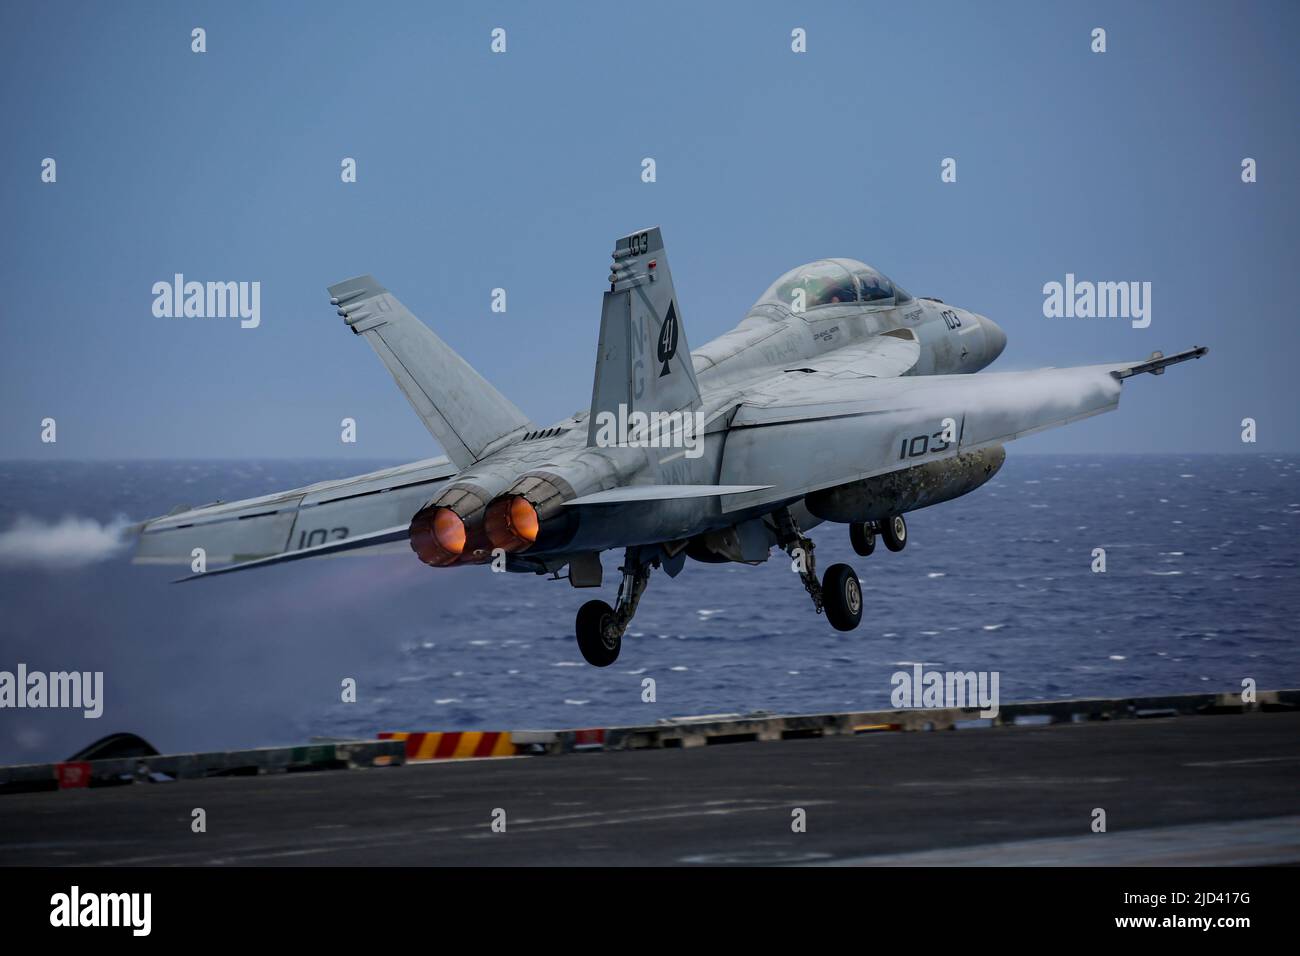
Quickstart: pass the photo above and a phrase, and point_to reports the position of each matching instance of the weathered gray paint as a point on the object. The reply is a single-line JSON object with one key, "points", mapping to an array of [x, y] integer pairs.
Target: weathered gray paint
{"points": [[794, 404]]}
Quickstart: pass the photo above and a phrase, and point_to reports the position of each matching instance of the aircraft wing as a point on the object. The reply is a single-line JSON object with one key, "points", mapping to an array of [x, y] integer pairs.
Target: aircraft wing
{"points": [[805, 432], [400, 533], [364, 511]]}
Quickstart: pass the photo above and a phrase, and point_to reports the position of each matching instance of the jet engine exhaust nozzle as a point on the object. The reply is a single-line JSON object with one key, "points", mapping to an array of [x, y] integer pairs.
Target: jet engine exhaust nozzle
{"points": [[511, 523], [531, 514], [438, 536]]}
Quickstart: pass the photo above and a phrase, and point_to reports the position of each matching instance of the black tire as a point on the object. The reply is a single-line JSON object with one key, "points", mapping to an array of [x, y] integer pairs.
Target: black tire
{"points": [[590, 629], [862, 536], [842, 597], [893, 531]]}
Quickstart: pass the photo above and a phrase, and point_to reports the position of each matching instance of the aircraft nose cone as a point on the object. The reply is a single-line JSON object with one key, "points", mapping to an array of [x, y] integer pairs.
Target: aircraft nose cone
{"points": [[994, 338]]}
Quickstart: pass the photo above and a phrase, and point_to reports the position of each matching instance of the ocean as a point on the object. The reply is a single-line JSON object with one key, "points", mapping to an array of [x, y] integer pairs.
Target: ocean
{"points": [[1198, 595]]}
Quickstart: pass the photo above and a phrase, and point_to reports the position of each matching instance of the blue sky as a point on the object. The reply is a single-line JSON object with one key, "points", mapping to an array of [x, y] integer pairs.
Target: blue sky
{"points": [[478, 171]]}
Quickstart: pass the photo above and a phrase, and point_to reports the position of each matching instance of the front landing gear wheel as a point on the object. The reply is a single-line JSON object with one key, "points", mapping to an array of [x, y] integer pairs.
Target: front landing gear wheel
{"points": [[862, 536], [894, 532], [842, 594], [598, 638]]}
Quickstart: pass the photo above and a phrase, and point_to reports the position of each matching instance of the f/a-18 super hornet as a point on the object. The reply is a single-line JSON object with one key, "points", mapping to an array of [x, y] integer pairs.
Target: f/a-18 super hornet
{"points": [[839, 397]]}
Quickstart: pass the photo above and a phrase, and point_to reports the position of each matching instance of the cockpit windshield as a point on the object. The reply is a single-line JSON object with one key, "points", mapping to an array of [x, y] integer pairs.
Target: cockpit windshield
{"points": [[832, 282]]}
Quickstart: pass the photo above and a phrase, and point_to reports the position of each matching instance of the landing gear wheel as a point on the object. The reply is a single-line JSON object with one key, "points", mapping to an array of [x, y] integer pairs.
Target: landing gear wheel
{"points": [[894, 532], [842, 594], [862, 536], [597, 639]]}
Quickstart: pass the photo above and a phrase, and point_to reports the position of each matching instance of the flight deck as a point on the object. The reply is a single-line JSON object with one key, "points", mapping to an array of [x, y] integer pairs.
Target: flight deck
{"points": [[1190, 785]]}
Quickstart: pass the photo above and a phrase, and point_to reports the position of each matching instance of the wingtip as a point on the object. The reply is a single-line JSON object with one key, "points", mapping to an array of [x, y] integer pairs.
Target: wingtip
{"points": [[354, 288], [1158, 362]]}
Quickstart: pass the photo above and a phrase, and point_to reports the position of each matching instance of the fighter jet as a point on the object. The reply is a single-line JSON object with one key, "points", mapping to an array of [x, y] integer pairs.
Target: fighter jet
{"points": [[839, 398]]}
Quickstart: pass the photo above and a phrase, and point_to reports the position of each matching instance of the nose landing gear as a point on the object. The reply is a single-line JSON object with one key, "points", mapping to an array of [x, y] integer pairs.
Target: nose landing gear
{"points": [[893, 531], [863, 537]]}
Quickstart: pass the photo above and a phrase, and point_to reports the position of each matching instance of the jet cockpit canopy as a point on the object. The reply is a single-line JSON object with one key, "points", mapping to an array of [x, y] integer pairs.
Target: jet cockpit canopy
{"points": [[831, 282]]}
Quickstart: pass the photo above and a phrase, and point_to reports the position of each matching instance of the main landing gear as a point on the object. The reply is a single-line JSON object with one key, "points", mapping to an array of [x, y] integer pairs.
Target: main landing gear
{"points": [[600, 627], [839, 593]]}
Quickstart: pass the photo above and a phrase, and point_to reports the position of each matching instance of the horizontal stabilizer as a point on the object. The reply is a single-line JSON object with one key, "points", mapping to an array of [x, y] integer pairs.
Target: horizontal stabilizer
{"points": [[371, 540], [618, 496]]}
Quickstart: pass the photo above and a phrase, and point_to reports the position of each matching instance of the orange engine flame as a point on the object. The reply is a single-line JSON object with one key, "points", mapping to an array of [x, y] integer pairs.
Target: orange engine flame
{"points": [[511, 523], [438, 537], [449, 530], [523, 519]]}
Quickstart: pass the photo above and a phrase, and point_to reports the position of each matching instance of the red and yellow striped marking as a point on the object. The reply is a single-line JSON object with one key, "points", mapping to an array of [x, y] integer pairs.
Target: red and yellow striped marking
{"points": [[454, 745]]}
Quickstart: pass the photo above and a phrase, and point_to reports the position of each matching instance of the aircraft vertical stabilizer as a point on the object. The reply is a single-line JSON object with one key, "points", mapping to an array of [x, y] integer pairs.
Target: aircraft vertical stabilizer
{"points": [[468, 417], [643, 362]]}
